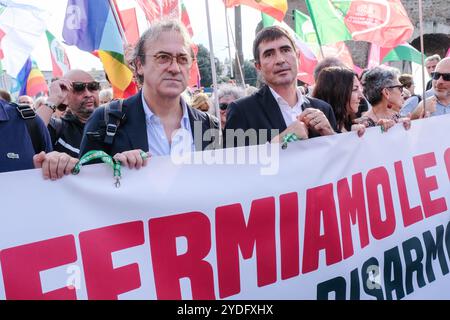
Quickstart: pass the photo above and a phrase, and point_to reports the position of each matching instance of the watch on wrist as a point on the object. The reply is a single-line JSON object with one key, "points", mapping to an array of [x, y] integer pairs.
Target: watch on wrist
{"points": [[51, 106]]}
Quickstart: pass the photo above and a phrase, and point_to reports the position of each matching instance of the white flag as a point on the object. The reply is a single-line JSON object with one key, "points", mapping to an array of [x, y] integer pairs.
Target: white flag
{"points": [[23, 26]]}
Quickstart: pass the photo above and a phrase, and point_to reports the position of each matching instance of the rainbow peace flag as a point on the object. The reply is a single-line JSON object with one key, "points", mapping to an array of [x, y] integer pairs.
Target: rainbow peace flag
{"points": [[273, 8], [91, 26], [31, 80]]}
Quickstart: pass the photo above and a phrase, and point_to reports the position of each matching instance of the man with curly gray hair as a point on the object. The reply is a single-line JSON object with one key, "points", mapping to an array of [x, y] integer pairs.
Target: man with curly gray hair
{"points": [[227, 93]]}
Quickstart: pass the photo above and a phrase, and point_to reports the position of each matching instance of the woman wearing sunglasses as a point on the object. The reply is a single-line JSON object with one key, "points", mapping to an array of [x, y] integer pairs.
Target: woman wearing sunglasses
{"points": [[384, 92], [439, 103]]}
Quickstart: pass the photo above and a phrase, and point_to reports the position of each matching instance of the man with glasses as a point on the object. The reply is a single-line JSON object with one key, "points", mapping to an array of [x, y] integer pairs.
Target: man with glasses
{"points": [[156, 121], [439, 103], [78, 94]]}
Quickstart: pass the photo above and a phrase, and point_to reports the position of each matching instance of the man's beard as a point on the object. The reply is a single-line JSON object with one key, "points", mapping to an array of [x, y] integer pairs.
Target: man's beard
{"points": [[84, 112]]}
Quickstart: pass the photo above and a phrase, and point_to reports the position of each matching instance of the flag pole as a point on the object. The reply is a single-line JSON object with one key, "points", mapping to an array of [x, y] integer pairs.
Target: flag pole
{"points": [[213, 66], [228, 41], [315, 30], [113, 7], [422, 51]]}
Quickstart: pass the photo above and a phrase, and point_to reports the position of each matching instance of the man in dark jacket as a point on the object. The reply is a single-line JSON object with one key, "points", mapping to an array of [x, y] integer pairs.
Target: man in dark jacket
{"points": [[156, 121], [278, 108]]}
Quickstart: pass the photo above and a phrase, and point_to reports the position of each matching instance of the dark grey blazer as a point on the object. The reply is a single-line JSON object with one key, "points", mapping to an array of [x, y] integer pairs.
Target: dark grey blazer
{"points": [[261, 111]]}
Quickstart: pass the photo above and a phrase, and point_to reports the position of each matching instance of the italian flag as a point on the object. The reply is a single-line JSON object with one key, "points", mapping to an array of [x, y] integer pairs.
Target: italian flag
{"points": [[402, 52], [60, 61]]}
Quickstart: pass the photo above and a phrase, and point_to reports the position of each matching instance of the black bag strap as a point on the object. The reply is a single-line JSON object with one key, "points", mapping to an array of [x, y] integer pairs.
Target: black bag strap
{"points": [[113, 117], [28, 114]]}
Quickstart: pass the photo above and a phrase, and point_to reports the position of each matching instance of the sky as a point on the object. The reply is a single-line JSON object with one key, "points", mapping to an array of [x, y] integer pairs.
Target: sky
{"points": [[196, 10]]}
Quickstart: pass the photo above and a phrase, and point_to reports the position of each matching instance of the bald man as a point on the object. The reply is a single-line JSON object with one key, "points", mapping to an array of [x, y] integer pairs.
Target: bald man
{"points": [[78, 93], [439, 103]]}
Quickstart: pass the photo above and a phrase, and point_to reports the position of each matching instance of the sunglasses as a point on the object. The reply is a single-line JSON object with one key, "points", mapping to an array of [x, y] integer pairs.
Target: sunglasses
{"points": [[223, 106], [399, 86], [437, 75], [81, 86], [62, 107]]}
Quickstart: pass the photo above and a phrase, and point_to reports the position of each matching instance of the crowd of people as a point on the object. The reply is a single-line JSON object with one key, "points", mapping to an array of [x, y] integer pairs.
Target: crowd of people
{"points": [[53, 132]]}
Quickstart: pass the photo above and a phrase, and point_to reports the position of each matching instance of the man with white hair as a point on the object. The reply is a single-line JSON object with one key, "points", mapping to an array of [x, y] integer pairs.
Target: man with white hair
{"points": [[439, 103], [156, 121], [430, 64]]}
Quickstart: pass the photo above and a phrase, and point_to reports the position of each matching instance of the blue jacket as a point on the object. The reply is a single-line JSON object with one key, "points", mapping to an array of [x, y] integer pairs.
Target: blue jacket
{"points": [[16, 147]]}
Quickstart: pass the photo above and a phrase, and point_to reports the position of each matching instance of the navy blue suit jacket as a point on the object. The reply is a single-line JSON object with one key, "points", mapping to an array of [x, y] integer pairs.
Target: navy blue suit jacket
{"points": [[261, 111], [132, 132]]}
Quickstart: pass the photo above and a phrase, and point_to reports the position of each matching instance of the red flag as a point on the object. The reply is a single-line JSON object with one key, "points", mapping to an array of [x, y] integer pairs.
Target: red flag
{"points": [[194, 73], [385, 23], [340, 51], [307, 61], [152, 9], [156, 9], [185, 19], [170, 8], [2, 34], [130, 25]]}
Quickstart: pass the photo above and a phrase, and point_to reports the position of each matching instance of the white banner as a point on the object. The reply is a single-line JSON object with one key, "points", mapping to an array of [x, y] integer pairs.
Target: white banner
{"points": [[339, 217]]}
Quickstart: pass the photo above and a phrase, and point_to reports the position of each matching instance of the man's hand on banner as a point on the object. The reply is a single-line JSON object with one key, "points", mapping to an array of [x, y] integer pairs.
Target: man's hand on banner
{"points": [[316, 120], [133, 159], [54, 165]]}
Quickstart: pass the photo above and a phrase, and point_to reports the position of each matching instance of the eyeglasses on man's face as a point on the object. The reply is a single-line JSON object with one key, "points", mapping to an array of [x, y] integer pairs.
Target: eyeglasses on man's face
{"points": [[81, 86], [165, 58], [437, 75]]}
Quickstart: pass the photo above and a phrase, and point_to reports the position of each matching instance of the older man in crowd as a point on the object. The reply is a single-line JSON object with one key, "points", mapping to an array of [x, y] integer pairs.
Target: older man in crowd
{"points": [[439, 103], [156, 120]]}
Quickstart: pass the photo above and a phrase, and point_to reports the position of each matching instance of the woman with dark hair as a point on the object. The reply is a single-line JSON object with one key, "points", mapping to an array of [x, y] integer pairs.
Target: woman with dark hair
{"points": [[340, 87], [384, 92]]}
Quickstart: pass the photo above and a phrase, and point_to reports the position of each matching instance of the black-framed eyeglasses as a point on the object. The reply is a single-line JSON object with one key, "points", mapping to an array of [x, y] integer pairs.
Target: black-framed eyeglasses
{"points": [[165, 58], [437, 75], [399, 86], [81, 86], [223, 106]]}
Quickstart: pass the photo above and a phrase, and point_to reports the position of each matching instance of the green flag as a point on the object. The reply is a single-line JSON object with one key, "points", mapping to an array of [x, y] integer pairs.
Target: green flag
{"points": [[304, 28], [267, 20], [328, 22], [404, 52]]}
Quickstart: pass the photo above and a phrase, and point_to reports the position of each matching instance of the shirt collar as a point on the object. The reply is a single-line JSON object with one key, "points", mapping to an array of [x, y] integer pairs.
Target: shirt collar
{"points": [[280, 100], [149, 115]]}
